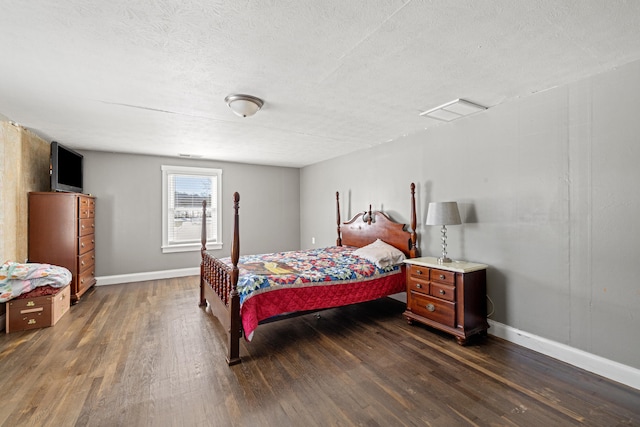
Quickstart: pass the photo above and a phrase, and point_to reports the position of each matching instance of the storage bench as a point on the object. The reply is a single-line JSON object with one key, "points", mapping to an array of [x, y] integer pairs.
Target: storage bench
{"points": [[39, 308]]}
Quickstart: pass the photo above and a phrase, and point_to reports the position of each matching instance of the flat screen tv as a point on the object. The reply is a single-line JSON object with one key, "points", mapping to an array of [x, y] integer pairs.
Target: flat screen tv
{"points": [[65, 169]]}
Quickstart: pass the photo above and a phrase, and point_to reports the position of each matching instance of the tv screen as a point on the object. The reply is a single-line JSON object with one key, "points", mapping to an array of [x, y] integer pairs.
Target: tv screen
{"points": [[65, 169]]}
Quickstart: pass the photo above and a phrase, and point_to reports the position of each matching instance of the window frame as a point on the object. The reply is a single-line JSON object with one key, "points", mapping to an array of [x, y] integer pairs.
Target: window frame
{"points": [[216, 243]]}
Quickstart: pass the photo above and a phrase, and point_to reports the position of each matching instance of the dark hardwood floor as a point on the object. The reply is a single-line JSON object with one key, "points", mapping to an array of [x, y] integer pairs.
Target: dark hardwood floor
{"points": [[145, 354]]}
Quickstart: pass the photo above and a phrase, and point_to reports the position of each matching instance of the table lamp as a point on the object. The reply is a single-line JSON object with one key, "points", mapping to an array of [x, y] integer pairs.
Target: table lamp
{"points": [[443, 213]]}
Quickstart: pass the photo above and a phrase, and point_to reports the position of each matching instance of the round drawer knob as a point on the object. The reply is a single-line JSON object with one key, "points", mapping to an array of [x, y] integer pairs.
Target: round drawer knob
{"points": [[418, 271], [442, 277], [431, 307], [442, 292], [418, 285]]}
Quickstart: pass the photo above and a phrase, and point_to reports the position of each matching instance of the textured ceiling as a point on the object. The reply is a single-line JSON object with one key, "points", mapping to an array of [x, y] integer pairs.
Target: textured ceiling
{"points": [[336, 76]]}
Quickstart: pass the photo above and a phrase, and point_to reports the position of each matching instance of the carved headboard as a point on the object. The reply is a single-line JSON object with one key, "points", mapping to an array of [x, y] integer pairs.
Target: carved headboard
{"points": [[366, 227]]}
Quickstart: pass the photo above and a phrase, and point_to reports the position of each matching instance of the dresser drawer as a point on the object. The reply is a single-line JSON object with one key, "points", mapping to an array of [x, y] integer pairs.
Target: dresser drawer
{"points": [[86, 207], [419, 272], [87, 213], [86, 226], [86, 279], [86, 260], [443, 276], [440, 290], [86, 243], [443, 312]]}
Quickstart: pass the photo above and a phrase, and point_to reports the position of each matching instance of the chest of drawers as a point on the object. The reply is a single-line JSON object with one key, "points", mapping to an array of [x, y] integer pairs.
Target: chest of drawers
{"points": [[62, 232], [450, 297]]}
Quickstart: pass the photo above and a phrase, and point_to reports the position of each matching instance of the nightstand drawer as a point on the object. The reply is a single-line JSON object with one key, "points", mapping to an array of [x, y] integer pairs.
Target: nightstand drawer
{"points": [[435, 309], [443, 291], [418, 285], [443, 276], [419, 272]]}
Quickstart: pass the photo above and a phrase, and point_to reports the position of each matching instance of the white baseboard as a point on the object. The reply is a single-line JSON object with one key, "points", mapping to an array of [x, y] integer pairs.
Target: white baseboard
{"points": [[142, 277], [589, 362]]}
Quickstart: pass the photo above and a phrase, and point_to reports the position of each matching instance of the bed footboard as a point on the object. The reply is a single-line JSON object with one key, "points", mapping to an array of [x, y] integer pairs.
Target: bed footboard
{"points": [[218, 286]]}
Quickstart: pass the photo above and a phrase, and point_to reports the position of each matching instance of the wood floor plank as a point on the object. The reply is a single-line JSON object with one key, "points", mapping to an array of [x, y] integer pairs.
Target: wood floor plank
{"points": [[145, 354]]}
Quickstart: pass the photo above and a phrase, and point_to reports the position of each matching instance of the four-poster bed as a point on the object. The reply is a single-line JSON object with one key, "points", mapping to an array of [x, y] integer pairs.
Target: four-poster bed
{"points": [[365, 264]]}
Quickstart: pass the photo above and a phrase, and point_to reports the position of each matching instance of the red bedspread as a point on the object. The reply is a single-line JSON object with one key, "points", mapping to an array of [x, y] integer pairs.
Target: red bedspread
{"points": [[284, 282]]}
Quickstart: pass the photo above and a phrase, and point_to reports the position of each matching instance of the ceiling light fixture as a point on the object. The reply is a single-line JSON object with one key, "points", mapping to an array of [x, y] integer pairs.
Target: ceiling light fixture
{"points": [[244, 105], [453, 110]]}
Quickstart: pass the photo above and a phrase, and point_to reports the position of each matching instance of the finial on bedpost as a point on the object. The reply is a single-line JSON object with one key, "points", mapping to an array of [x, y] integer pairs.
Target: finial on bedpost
{"points": [[339, 240], [415, 252], [369, 216], [203, 233]]}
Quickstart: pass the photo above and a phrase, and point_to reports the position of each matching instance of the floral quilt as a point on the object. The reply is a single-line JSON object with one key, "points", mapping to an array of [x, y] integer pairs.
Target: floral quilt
{"points": [[17, 279], [277, 283]]}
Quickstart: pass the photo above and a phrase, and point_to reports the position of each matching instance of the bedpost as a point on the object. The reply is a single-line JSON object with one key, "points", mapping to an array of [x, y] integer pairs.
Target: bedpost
{"points": [[203, 240], [414, 252], [234, 299], [339, 240]]}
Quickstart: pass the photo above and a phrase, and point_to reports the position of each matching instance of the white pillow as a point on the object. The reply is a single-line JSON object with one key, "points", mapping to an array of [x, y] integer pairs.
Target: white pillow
{"points": [[380, 253]]}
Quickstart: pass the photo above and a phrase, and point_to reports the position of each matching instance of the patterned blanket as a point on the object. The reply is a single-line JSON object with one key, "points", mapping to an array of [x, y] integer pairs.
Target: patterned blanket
{"points": [[17, 279], [277, 283]]}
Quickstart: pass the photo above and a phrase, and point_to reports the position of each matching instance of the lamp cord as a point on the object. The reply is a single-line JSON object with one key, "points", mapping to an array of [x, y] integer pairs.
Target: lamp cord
{"points": [[493, 307]]}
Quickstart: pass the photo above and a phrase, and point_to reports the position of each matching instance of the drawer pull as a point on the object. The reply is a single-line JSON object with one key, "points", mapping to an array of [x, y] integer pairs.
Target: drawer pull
{"points": [[442, 292], [442, 277], [418, 285], [418, 271], [431, 307]]}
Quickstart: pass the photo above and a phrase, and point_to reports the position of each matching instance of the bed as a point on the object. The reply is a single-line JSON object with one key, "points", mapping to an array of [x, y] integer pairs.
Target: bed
{"points": [[364, 265]]}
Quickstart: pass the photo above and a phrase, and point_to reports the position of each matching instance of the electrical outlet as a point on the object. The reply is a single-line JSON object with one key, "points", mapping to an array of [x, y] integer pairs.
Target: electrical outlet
{"points": [[313, 240]]}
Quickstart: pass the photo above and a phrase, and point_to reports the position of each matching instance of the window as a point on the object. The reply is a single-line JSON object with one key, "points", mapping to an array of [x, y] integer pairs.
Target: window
{"points": [[183, 190]]}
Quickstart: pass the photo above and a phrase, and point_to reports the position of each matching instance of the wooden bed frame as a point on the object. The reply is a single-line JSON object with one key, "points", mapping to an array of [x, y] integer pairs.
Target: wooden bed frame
{"points": [[218, 281]]}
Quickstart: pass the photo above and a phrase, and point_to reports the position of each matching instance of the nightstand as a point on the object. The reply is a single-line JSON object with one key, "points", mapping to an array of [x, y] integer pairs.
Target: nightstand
{"points": [[450, 297]]}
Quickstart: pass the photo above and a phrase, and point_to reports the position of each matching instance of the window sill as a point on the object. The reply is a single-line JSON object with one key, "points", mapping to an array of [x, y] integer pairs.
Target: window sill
{"points": [[190, 247]]}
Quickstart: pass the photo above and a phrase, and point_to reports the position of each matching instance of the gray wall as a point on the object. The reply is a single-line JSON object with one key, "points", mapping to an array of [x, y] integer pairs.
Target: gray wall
{"points": [[547, 190], [129, 216]]}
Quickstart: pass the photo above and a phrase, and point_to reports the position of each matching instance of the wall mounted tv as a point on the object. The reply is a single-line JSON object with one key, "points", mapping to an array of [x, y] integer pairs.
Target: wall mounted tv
{"points": [[65, 169]]}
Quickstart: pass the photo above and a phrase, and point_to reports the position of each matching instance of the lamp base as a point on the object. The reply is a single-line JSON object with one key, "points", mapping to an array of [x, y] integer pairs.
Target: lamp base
{"points": [[444, 260]]}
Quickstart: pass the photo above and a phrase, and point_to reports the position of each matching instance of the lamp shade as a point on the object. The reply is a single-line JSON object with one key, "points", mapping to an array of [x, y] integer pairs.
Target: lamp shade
{"points": [[443, 213], [244, 105]]}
